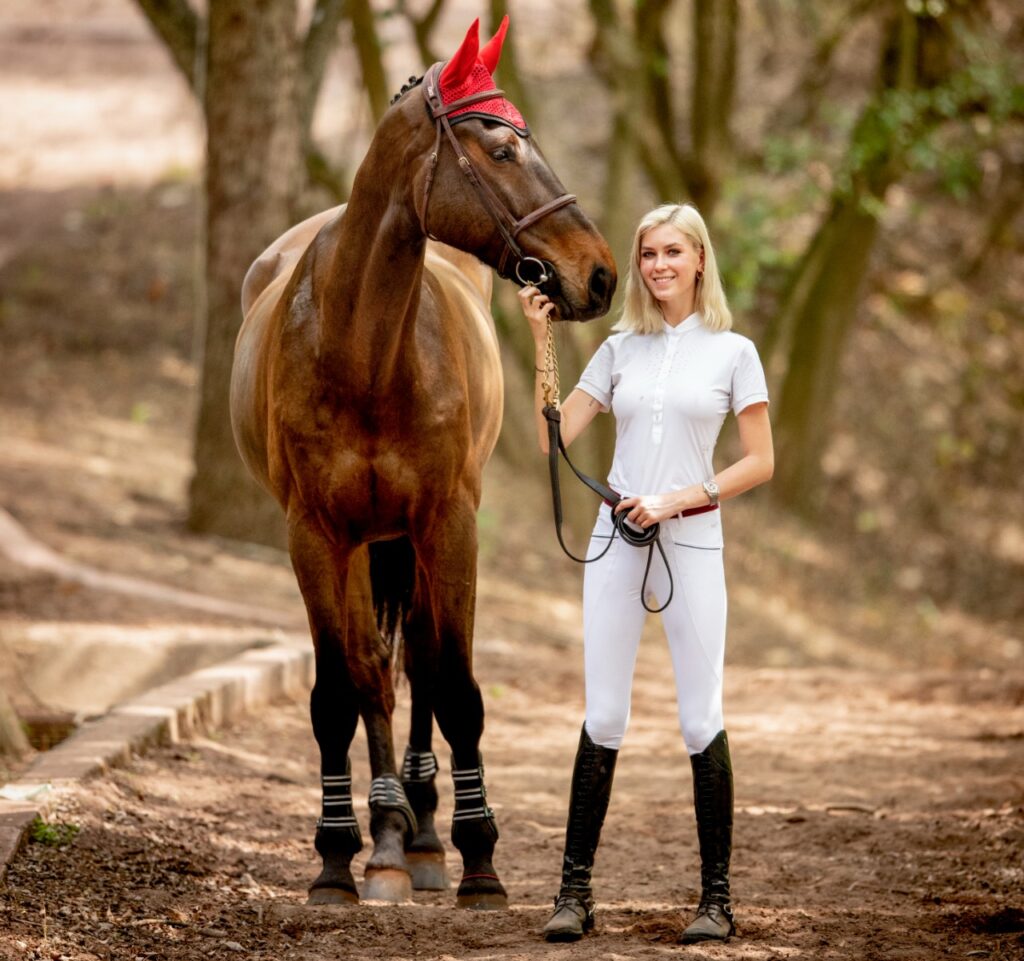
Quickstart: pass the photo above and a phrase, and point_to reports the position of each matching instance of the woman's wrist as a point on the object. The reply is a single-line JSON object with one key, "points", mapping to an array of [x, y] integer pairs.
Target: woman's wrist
{"points": [[694, 496]]}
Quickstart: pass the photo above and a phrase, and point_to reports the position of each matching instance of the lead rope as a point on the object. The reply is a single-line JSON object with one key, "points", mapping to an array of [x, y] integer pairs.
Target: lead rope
{"points": [[550, 387], [637, 538]]}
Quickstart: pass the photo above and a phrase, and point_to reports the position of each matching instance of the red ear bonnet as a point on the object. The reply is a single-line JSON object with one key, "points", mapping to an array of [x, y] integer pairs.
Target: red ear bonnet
{"points": [[469, 71], [491, 52]]}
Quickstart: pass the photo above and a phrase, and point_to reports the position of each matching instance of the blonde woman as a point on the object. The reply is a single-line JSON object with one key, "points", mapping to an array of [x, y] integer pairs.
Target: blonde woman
{"points": [[670, 375]]}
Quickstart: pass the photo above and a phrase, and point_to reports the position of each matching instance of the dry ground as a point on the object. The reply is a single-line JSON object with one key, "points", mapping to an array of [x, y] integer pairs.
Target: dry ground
{"points": [[880, 805], [877, 817]]}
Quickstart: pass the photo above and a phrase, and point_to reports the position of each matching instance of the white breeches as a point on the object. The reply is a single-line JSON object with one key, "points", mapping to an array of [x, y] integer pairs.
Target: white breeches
{"points": [[694, 622]]}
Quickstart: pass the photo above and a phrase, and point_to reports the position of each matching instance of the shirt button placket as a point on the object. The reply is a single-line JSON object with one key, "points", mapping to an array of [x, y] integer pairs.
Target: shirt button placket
{"points": [[658, 403]]}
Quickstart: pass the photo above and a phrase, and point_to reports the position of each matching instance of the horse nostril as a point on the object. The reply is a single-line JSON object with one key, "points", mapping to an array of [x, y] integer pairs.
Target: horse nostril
{"points": [[601, 283]]}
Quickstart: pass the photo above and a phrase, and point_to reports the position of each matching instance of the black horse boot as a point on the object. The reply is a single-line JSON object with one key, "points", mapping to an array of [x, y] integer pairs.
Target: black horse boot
{"points": [[713, 800], [591, 789]]}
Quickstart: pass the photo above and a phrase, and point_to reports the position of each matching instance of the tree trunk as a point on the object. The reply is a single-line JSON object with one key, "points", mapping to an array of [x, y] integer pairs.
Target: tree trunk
{"points": [[821, 320], [820, 307], [715, 26], [253, 159], [183, 32]]}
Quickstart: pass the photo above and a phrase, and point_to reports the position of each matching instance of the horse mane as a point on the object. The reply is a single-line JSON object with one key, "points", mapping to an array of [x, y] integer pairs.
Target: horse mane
{"points": [[410, 84]]}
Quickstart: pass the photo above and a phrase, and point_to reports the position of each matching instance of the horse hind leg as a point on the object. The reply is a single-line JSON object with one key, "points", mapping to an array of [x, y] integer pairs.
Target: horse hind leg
{"points": [[424, 853], [392, 821]]}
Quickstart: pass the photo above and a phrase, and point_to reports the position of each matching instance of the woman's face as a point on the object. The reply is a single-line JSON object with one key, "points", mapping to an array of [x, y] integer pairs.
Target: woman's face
{"points": [[669, 261]]}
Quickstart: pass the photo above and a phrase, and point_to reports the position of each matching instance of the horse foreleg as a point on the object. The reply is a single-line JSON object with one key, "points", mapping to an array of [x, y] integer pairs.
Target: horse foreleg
{"points": [[392, 822], [333, 709], [458, 706]]}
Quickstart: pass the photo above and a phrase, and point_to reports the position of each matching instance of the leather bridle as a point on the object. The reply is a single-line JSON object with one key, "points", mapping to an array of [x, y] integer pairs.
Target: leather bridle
{"points": [[508, 225]]}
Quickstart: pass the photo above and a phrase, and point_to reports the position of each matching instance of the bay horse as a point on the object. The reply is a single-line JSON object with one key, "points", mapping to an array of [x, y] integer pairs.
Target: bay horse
{"points": [[366, 397]]}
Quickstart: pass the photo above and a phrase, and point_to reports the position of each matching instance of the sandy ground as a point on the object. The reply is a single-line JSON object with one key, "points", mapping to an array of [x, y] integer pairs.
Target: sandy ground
{"points": [[880, 804]]}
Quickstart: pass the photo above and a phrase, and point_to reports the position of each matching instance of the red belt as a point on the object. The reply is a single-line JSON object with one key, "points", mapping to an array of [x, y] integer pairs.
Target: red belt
{"points": [[686, 513]]}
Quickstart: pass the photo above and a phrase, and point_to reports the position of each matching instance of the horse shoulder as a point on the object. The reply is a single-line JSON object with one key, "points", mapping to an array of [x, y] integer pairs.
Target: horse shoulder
{"points": [[282, 255]]}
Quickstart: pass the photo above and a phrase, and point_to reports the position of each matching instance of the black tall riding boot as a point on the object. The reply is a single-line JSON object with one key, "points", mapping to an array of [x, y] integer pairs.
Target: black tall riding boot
{"points": [[713, 799], [591, 788]]}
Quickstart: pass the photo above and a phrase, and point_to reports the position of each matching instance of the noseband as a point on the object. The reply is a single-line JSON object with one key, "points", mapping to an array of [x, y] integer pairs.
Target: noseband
{"points": [[508, 226]]}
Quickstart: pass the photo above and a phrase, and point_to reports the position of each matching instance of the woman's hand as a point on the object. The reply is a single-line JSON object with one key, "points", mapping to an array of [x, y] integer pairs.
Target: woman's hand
{"points": [[649, 509], [537, 307]]}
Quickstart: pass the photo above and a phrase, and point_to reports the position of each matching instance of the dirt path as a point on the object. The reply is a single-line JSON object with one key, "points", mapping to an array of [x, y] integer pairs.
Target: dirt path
{"points": [[879, 815], [876, 818]]}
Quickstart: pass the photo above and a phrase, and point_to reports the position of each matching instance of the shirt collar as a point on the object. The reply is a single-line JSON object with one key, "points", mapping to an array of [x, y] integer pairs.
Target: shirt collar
{"points": [[692, 321]]}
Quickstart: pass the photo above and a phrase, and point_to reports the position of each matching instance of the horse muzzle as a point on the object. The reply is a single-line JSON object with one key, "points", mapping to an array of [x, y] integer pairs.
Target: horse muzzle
{"points": [[542, 274]]}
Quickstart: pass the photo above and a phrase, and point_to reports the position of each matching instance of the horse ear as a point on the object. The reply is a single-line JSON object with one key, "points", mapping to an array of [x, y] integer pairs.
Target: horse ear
{"points": [[491, 52], [464, 59]]}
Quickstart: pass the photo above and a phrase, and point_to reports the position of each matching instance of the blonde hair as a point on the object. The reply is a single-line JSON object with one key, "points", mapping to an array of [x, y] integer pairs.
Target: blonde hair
{"points": [[640, 311]]}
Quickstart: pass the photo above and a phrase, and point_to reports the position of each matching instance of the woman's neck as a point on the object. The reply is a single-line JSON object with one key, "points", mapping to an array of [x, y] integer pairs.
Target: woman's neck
{"points": [[676, 311]]}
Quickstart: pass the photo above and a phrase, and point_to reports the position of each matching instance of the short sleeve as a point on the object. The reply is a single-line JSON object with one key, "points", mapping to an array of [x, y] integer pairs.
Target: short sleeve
{"points": [[748, 381], [596, 378]]}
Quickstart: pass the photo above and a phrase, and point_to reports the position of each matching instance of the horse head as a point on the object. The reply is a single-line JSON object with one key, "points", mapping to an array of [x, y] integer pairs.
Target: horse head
{"points": [[483, 186]]}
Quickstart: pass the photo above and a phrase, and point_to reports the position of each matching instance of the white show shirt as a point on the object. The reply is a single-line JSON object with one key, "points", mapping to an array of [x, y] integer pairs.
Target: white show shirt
{"points": [[670, 393]]}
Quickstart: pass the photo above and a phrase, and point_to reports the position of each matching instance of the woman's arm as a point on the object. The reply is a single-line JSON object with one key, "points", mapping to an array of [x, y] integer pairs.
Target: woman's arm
{"points": [[579, 408], [755, 467]]}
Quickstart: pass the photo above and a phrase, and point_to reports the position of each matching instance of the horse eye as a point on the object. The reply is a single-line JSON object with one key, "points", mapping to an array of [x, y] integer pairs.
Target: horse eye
{"points": [[502, 154]]}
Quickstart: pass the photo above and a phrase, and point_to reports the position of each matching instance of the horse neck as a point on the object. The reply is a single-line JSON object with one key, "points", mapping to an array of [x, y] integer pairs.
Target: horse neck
{"points": [[371, 291]]}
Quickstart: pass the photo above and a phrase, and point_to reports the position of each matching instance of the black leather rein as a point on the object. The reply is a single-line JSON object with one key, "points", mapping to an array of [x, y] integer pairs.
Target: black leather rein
{"points": [[637, 537]]}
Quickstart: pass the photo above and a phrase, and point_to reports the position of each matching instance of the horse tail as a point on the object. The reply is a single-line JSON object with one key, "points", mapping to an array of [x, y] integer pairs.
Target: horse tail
{"points": [[393, 578]]}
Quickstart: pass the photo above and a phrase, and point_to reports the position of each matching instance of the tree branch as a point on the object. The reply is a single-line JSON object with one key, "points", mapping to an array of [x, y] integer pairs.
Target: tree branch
{"points": [[316, 48], [177, 24], [368, 49], [423, 28]]}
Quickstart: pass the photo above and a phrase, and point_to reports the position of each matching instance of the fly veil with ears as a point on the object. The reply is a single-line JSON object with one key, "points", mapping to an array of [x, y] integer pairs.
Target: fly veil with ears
{"points": [[463, 89]]}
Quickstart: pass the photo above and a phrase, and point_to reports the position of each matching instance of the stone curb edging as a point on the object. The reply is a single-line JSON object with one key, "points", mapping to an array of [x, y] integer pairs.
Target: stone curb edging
{"points": [[201, 701]]}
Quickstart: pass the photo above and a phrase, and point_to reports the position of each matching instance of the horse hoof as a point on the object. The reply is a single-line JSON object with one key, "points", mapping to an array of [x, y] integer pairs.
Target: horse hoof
{"points": [[387, 884], [340, 896], [428, 870], [482, 901]]}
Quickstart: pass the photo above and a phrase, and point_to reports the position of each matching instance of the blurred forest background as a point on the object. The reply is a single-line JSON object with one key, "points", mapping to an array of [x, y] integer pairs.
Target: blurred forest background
{"points": [[860, 164]]}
